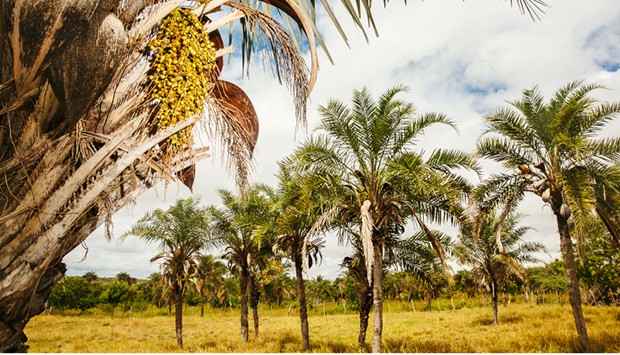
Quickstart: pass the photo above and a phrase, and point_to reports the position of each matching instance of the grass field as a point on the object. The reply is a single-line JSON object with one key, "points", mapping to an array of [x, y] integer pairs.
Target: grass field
{"points": [[523, 328]]}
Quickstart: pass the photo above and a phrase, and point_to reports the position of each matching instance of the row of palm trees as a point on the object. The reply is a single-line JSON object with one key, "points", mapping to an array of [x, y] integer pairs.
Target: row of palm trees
{"points": [[360, 177]]}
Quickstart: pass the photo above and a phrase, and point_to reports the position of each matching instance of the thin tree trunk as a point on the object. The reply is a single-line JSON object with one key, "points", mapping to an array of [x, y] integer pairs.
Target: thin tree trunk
{"points": [[254, 299], [301, 298], [429, 301], [243, 281], [178, 316], [365, 301], [494, 301], [377, 295], [573, 282], [202, 303]]}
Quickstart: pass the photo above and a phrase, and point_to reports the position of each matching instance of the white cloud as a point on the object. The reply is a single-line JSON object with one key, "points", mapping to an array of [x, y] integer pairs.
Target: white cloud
{"points": [[461, 58]]}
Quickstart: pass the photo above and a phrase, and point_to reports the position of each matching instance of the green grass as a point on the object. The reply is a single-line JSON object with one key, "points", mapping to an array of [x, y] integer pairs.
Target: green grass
{"points": [[523, 328]]}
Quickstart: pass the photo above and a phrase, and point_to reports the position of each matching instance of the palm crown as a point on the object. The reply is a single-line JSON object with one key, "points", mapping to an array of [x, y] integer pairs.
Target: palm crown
{"points": [[555, 152]]}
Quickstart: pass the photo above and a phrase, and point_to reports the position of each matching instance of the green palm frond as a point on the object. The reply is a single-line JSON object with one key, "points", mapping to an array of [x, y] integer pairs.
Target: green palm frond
{"points": [[508, 152], [517, 130], [607, 150], [448, 160], [596, 118]]}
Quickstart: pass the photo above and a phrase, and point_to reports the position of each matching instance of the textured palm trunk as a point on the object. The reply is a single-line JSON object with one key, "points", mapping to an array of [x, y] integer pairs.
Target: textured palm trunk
{"points": [[301, 299], [254, 300], [202, 303], [243, 286], [377, 296], [178, 317], [364, 303], [573, 282], [494, 301]]}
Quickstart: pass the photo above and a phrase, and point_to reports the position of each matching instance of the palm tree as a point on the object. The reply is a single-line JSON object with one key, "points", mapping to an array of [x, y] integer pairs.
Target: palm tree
{"points": [[299, 208], [552, 151], [364, 160], [90, 276], [209, 276], [234, 228], [356, 269], [490, 267], [181, 232], [126, 278], [81, 146]]}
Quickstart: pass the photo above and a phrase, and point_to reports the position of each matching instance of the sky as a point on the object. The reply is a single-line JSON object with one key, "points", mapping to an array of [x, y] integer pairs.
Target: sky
{"points": [[461, 58]]}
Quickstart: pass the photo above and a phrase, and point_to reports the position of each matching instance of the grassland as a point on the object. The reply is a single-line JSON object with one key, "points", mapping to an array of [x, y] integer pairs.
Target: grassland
{"points": [[523, 328]]}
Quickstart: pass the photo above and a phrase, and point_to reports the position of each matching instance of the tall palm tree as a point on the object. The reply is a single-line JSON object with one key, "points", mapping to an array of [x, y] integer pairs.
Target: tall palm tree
{"points": [[553, 151], [299, 207], [234, 227], [490, 267], [364, 159], [81, 145], [181, 232]]}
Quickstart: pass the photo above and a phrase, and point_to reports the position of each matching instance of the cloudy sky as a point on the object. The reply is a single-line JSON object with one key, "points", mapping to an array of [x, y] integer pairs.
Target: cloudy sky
{"points": [[462, 58]]}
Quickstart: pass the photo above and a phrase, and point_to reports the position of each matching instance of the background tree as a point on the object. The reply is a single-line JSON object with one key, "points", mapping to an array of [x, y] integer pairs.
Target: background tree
{"points": [[233, 228], [364, 158], [464, 282], [600, 270], [208, 279], [181, 232], [126, 278], [554, 151], [491, 267], [90, 276], [74, 293], [115, 293]]}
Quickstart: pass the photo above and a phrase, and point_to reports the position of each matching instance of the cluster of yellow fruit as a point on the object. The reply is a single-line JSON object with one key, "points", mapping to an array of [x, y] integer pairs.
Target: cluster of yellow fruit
{"points": [[179, 72]]}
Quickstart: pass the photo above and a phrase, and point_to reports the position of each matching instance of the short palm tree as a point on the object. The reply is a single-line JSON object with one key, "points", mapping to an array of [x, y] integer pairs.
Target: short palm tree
{"points": [[365, 161], [208, 277], [234, 227], [181, 232], [490, 267], [553, 151], [356, 269], [299, 208]]}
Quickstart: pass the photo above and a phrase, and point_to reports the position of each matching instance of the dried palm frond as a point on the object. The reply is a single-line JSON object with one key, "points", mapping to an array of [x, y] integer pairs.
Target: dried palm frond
{"points": [[288, 64], [367, 228], [232, 125]]}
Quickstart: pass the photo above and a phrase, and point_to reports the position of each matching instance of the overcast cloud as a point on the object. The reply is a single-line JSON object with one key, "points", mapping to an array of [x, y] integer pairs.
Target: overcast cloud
{"points": [[462, 58]]}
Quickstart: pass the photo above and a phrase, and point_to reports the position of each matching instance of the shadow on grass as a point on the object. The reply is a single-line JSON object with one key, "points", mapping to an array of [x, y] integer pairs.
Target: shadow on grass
{"points": [[286, 340], [503, 319], [332, 346], [410, 345]]}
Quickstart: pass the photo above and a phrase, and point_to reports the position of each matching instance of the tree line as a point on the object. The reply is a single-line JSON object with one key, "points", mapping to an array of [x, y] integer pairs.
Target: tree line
{"points": [[278, 290]]}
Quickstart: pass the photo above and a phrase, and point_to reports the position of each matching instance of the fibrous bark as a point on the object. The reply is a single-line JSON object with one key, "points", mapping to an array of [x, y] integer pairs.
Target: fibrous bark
{"points": [[77, 141]]}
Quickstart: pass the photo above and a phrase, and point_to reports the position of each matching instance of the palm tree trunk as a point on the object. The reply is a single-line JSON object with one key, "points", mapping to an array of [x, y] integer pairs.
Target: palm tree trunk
{"points": [[573, 282], [301, 298], [494, 302], [178, 316], [243, 283], [377, 295], [202, 303], [365, 305], [254, 299]]}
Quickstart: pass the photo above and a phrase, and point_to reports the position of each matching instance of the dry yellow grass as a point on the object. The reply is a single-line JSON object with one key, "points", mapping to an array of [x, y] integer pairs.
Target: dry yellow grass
{"points": [[523, 328]]}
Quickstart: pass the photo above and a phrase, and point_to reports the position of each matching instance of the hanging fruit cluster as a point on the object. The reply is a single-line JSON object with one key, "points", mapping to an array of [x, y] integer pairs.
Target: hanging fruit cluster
{"points": [[180, 73]]}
